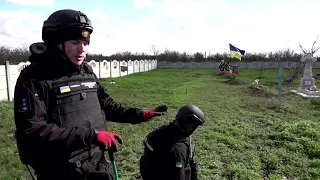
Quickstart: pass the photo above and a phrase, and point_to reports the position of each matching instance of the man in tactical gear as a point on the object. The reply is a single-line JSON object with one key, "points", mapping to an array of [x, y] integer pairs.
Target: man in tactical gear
{"points": [[61, 107], [167, 151]]}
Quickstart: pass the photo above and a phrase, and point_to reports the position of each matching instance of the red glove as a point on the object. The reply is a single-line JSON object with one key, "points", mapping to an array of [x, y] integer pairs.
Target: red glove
{"points": [[155, 111], [109, 139]]}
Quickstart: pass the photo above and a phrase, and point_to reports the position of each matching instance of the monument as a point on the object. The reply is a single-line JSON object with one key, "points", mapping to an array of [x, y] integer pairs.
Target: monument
{"points": [[224, 68], [308, 86], [307, 81]]}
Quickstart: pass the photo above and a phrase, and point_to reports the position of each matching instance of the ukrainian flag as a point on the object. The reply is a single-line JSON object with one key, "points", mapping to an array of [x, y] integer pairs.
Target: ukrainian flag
{"points": [[65, 89], [236, 52]]}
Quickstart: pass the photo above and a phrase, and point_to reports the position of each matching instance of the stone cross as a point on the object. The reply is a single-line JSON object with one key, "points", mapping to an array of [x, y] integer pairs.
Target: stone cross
{"points": [[307, 81]]}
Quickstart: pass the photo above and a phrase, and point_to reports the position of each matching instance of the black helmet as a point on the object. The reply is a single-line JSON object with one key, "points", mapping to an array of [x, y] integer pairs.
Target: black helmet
{"points": [[64, 25], [188, 118]]}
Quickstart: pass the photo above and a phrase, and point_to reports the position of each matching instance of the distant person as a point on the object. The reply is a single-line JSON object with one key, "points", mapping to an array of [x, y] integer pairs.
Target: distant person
{"points": [[167, 150], [61, 108]]}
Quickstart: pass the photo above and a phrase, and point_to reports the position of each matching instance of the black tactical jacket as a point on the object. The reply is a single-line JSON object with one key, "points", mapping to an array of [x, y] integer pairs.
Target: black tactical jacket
{"points": [[166, 155], [56, 107]]}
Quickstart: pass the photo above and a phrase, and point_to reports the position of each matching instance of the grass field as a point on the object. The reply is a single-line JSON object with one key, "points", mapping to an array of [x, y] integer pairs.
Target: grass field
{"points": [[248, 134]]}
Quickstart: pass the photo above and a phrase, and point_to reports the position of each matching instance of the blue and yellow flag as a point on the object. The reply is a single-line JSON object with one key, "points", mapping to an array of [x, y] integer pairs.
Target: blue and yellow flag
{"points": [[64, 89], [236, 52]]}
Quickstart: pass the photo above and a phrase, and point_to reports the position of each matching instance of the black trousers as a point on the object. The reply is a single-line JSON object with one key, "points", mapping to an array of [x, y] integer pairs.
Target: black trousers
{"points": [[95, 168]]}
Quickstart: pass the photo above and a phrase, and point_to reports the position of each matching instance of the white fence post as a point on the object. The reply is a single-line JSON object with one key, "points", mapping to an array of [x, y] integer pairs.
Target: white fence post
{"points": [[8, 81], [99, 69]]}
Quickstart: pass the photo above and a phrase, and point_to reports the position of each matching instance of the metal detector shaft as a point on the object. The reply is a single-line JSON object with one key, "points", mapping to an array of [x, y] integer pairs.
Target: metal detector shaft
{"points": [[190, 149], [114, 166], [189, 139]]}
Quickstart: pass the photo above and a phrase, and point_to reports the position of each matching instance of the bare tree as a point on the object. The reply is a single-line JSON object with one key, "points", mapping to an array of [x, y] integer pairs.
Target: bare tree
{"points": [[313, 49], [6, 54], [298, 69], [154, 50]]}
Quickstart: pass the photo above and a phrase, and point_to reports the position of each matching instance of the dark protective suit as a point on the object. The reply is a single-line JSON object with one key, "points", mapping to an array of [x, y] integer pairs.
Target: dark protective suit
{"points": [[56, 106], [166, 155]]}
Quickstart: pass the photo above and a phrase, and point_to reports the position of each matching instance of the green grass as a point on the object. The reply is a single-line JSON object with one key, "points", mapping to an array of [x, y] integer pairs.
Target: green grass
{"points": [[248, 135]]}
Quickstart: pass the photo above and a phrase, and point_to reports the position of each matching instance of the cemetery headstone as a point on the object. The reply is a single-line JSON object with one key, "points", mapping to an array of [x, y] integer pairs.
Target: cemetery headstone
{"points": [[224, 68], [307, 81], [308, 87]]}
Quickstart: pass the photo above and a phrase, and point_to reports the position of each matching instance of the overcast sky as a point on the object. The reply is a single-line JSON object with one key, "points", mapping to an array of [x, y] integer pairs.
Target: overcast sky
{"points": [[191, 25]]}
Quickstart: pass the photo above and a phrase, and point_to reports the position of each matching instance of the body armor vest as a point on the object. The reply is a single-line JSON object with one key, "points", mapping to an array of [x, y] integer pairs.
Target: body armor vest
{"points": [[152, 161], [74, 102]]}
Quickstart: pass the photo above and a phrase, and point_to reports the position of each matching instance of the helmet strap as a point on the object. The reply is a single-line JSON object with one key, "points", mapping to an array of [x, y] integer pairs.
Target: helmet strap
{"points": [[178, 125], [183, 128], [63, 53]]}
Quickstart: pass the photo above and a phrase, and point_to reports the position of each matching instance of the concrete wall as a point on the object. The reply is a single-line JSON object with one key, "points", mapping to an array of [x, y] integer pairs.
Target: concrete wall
{"points": [[255, 65], [103, 69]]}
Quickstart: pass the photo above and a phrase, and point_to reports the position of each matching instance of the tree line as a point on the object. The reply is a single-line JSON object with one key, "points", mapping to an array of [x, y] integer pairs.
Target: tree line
{"points": [[21, 54]]}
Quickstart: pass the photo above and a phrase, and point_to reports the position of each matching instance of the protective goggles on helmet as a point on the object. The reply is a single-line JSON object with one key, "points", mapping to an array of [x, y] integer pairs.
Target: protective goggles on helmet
{"points": [[194, 118]]}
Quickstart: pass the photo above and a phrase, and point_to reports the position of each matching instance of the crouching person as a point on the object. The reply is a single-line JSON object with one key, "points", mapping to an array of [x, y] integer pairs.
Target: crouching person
{"points": [[167, 149]]}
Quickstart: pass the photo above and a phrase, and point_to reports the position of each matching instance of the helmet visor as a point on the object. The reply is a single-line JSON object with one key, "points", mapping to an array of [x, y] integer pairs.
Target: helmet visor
{"points": [[192, 124], [195, 119]]}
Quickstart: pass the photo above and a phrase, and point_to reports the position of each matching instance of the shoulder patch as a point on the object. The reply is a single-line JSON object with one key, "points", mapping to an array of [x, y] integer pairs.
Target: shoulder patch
{"points": [[64, 89], [179, 164], [24, 102]]}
